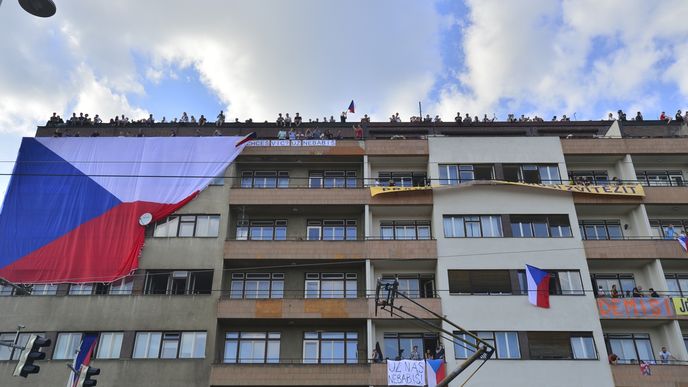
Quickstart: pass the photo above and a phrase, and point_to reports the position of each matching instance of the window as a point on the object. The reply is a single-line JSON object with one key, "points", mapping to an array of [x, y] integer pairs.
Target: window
{"points": [[264, 179], [252, 347], [414, 286], [400, 345], [330, 347], [178, 282], [630, 347], [405, 229], [109, 345], [169, 345], [561, 345], [459, 173], [66, 346], [589, 177], [600, 229], [332, 179], [660, 178], [678, 284], [331, 230], [402, 179], [662, 228], [562, 282], [532, 173], [257, 285], [472, 226], [80, 289], [123, 286], [479, 282], [604, 282], [583, 347], [540, 226], [9, 353], [43, 289], [331, 285], [262, 230], [505, 343], [186, 226]]}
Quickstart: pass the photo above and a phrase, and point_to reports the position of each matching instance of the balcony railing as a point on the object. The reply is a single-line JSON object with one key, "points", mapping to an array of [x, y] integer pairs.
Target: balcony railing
{"points": [[298, 374]]}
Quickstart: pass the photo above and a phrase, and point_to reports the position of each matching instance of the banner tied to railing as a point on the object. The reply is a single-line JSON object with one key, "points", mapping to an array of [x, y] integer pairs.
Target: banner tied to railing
{"points": [[618, 190], [405, 372]]}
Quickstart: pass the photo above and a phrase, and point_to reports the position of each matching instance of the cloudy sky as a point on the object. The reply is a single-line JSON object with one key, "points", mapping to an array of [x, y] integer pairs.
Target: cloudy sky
{"points": [[257, 58]]}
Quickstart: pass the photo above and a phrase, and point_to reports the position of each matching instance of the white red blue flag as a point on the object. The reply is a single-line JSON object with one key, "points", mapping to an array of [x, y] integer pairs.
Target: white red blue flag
{"points": [[538, 286], [682, 241], [88, 345], [436, 371], [352, 108], [73, 205], [645, 369]]}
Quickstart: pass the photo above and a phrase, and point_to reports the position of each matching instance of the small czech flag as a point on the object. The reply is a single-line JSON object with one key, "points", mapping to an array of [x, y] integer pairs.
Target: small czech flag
{"points": [[538, 286], [436, 370], [682, 241], [352, 109], [645, 369]]}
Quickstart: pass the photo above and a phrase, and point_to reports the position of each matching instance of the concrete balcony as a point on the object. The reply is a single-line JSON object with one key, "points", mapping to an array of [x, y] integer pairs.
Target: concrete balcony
{"points": [[293, 308], [662, 376], [623, 146], [633, 248], [107, 312], [324, 196], [359, 249], [331, 308], [298, 375], [653, 195]]}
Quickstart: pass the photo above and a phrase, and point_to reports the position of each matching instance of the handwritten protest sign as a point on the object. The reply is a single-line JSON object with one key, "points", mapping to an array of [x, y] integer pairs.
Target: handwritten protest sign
{"points": [[406, 373]]}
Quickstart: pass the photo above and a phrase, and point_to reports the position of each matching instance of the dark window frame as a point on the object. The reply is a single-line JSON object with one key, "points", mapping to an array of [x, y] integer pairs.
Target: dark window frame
{"points": [[150, 230], [416, 224], [238, 339]]}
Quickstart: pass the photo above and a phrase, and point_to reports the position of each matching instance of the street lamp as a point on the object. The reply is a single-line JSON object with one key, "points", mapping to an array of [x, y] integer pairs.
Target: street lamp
{"points": [[41, 8]]}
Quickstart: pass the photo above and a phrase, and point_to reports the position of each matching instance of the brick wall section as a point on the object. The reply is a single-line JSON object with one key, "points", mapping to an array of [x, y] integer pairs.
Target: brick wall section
{"points": [[643, 249], [329, 196], [662, 376], [295, 375], [331, 249], [293, 308], [289, 308], [619, 146], [396, 147]]}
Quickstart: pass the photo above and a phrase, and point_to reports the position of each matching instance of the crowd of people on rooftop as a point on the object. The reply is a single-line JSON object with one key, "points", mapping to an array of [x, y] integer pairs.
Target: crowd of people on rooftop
{"points": [[286, 121]]}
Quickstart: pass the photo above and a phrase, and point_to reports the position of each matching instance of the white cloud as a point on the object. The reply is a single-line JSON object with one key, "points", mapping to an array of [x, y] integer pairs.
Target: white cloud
{"points": [[570, 56]]}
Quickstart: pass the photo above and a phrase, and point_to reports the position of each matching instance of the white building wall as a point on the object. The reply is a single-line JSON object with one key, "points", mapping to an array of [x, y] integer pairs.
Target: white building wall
{"points": [[513, 312]]}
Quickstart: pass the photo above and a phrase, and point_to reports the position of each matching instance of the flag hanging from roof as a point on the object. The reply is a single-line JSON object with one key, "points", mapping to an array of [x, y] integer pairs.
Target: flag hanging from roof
{"points": [[538, 286], [76, 208], [352, 109], [88, 345], [436, 371]]}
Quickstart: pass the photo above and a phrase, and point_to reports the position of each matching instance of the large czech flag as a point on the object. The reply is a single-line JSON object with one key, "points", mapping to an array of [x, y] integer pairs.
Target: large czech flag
{"points": [[436, 371], [538, 286], [76, 208]]}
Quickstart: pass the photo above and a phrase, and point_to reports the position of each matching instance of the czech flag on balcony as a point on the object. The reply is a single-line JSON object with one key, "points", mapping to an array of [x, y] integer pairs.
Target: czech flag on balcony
{"points": [[351, 107], [76, 208], [682, 241], [538, 286], [645, 369], [88, 345], [436, 371]]}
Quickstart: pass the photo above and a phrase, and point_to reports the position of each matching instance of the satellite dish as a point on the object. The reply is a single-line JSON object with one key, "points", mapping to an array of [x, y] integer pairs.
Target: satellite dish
{"points": [[40, 8]]}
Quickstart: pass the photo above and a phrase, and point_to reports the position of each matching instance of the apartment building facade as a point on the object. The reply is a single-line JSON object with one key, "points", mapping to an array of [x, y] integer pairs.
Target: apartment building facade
{"points": [[267, 278]]}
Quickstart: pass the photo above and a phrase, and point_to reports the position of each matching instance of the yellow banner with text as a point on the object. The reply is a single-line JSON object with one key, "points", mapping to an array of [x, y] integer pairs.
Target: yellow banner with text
{"points": [[618, 190]]}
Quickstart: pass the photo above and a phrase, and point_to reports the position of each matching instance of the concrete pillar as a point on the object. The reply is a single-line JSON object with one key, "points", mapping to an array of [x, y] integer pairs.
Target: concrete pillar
{"points": [[655, 276], [640, 224], [625, 169], [371, 337], [366, 171], [368, 220], [370, 279], [674, 343]]}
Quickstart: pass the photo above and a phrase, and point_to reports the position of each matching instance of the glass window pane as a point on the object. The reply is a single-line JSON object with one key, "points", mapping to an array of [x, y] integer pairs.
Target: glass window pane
{"points": [[109, 345], [507, 345], [310, 352], [583, 348], [273, 354], [230, 355], [169, 349], [351, 351]]}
